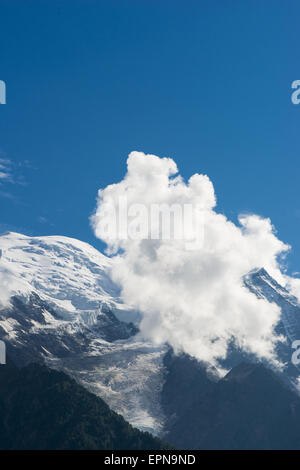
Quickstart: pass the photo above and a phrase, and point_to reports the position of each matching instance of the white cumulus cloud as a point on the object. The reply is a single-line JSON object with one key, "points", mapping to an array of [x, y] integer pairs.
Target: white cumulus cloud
{"points": [[194, 299]]}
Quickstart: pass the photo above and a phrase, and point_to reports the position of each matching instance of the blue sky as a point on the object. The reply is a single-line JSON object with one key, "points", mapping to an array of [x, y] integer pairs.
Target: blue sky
{"points": [[207, 83]]}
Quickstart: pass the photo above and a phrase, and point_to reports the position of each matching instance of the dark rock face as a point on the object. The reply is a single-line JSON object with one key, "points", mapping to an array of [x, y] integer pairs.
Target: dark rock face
{"points": [[250, 408], [113, 329], [185, 380], [45, 409], [34, 335]]}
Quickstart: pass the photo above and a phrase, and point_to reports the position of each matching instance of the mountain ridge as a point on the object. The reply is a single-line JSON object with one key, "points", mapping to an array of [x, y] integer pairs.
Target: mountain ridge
{"points": [[249, 408]]}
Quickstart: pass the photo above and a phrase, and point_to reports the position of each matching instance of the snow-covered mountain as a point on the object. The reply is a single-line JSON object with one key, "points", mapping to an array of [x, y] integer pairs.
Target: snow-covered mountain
{"points": [[59, 305], [70, 275], [264, 286]]}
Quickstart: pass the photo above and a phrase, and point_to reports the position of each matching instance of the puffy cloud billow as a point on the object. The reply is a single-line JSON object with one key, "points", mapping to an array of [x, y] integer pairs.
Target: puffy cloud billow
{"points": [[194, 299]]}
